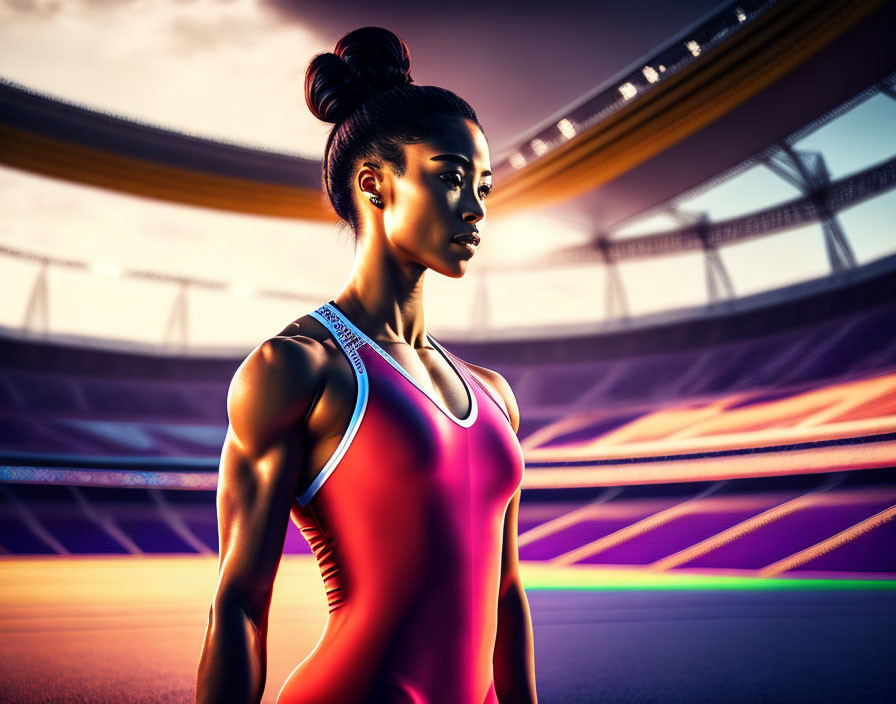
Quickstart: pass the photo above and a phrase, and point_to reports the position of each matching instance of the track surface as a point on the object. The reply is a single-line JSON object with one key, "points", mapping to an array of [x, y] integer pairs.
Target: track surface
{"points": [[130, 629]]}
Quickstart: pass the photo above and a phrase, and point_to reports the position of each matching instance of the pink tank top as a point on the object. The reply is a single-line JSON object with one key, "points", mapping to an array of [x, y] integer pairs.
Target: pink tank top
{"points": [[406, 522]]}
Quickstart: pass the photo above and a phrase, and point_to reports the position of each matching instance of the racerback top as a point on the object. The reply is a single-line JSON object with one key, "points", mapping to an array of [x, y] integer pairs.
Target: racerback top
{"points": [[406, 522]]}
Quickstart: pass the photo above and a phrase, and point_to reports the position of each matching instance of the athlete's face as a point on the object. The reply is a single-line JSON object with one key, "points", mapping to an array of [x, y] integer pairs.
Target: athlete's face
{"points": [[441, 195]]}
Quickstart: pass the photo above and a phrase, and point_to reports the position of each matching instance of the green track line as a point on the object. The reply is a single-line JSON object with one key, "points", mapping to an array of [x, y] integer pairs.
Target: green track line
{"points": [[592, 580]]}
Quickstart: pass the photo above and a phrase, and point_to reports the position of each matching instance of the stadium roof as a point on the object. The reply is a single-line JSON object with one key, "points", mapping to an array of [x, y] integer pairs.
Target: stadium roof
{"points": [[659, 104]]}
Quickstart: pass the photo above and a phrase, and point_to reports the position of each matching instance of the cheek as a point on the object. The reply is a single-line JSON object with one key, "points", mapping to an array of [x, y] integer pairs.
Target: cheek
{"points": [[409, 202], [417, 210]]}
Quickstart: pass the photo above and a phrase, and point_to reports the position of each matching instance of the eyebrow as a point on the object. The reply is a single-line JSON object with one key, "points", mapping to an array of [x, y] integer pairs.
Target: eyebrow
{"points": [[458, 158]]}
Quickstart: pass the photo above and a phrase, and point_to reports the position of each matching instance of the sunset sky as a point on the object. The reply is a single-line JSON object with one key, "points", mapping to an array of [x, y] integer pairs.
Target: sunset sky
{"points": [[233, 71]]}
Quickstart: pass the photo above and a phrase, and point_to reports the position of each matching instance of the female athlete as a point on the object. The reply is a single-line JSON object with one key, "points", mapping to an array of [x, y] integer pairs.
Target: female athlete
{"points": [[398, 461]]}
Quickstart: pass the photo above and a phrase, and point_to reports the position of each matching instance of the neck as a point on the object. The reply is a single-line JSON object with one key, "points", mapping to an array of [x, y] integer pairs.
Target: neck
{"points": [[384, 294]]}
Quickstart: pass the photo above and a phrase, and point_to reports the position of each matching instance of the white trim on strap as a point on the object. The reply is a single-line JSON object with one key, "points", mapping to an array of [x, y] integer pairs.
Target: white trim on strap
{"points": [[474, 408], [349, 344]]}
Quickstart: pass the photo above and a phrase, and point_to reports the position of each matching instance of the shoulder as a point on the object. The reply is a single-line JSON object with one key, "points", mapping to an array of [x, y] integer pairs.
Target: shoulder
{"points": [[274, 387], [500, 386]]}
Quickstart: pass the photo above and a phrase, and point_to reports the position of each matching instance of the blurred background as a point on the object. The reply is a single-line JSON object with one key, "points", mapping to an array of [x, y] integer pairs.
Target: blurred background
{"points": [[687, 275]]}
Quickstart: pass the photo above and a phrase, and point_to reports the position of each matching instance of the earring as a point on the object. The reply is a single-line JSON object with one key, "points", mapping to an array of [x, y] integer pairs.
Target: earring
{"points": [[376, 200]]}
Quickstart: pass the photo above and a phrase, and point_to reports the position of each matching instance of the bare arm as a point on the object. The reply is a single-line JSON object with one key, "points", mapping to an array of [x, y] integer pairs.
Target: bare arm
{"points": [[269, 397], [514, 657]]}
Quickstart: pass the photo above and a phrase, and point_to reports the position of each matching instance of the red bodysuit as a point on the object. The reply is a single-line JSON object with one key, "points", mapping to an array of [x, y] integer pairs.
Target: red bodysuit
{"points": [[406, 522]]}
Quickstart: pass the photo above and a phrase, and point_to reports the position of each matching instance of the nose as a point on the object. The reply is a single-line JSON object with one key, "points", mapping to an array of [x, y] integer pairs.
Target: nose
{"points": [[474, 212]]}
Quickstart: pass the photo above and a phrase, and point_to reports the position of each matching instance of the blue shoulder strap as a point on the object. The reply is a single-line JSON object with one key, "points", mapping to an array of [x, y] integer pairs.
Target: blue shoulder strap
{"points": [[349, 342]]}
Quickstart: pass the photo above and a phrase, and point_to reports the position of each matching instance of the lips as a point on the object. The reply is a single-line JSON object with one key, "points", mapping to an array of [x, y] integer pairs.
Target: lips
{"points": [[467, 238]]}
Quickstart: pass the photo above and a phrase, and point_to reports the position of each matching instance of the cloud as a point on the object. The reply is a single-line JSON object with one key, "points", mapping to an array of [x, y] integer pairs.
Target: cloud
{"points": [[191, 34], [12, 9]]}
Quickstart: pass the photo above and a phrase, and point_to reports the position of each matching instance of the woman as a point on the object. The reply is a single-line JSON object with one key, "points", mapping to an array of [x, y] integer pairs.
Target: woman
{"points": [[398, 461]]}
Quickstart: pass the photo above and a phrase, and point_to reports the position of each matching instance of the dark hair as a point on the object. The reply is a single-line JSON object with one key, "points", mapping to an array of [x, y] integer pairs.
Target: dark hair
{"points": [[364, 88]]}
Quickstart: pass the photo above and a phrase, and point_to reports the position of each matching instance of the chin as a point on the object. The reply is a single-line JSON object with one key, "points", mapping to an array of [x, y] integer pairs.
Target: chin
{"points": [[456, 272], [453, 268]]}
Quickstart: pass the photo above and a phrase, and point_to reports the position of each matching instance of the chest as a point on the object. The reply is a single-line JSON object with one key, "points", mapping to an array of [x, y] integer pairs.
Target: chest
{"points": [[411, 438]]}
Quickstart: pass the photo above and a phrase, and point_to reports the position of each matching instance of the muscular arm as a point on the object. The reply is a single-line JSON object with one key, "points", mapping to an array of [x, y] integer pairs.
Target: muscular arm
{"points": [[514, 657], [269, 396]]}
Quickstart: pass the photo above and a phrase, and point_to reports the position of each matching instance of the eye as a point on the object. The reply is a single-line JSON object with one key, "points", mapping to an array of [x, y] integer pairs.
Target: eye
{"points": [[450, 180], [456, 179]]}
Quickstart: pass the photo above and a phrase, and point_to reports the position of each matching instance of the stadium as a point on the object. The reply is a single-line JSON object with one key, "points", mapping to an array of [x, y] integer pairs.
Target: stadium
{"points": [[709, 494]]}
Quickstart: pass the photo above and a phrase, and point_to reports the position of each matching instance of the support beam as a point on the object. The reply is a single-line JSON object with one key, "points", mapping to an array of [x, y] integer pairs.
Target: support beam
{"points": [[808, 172], [38, 306], [718, 283], [178, 322], [616, 301]]}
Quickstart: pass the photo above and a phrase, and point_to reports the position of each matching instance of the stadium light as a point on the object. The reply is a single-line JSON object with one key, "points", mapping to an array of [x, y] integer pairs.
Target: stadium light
{"points": [[650, 74], [628, 91], [567, 129], [538, 146]]}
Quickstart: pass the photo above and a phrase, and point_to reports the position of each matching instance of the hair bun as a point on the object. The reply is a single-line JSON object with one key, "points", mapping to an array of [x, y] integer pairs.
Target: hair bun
{"points": [[365, 61]]}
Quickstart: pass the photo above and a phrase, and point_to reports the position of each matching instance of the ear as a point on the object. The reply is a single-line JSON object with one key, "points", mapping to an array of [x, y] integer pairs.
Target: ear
{"points": [[370, 179]]}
